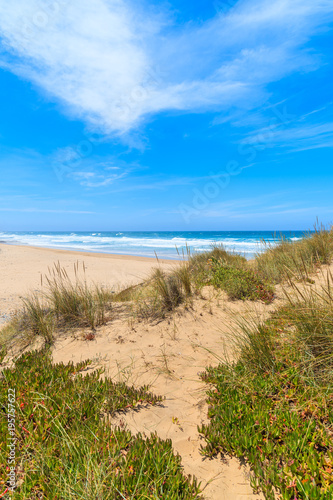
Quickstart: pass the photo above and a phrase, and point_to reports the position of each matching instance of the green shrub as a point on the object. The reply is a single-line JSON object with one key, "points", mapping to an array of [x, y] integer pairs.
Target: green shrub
{"points": [[274, 406], [239, 283], [199, 263], [66, 446], [276, 424]]}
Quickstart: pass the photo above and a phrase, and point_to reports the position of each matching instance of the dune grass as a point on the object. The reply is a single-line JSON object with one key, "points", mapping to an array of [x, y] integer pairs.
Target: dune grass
{"points": [[274, 406], [285, 258], [73, 301], [69, 302], [65, 444], [38, 318], [63, 303], [228, 271], [163, 294]]}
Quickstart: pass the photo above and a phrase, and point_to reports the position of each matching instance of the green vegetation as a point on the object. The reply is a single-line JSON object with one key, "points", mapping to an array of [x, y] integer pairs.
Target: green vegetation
{"points": [[282, 261], [240, 283], [66, 303], [296, 258], [36, 319], [274, 406], [66, 446], [163, 293], [231, 272], [74, 302], [200, 263]]}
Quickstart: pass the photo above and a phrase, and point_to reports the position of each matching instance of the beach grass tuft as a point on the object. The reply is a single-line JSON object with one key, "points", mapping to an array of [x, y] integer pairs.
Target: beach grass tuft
{"points": [[37, 318], [164, 292], [285, 258], [63, 303], [73, 301]]}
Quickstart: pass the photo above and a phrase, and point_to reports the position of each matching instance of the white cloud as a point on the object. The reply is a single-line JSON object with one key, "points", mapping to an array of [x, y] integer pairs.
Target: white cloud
{"points": [[89, 170], [42, 210], [94, 179], [262, 207], [83, 175], [102, 180], [297, 135], [114, 63]]}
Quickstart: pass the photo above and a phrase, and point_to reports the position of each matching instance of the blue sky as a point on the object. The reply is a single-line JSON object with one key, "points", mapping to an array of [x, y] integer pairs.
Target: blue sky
{"points": [[179, 115]]}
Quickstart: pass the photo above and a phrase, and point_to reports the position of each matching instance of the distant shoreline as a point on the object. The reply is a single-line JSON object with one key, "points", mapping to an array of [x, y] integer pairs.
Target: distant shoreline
{"points": [[166, 245], [23, 267], [65, 251]]}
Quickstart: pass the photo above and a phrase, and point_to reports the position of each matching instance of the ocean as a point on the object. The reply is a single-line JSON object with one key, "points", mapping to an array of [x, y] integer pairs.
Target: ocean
{"points": [[166, 244]]}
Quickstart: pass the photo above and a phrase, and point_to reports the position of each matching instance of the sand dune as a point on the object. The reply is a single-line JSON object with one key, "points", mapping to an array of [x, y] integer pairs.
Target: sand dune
{"points": [[168, 356]]}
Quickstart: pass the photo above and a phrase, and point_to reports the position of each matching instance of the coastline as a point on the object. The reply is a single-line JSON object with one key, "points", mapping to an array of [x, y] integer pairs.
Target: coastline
{"points": [[91, 253], [168, 245], [23, 266]]}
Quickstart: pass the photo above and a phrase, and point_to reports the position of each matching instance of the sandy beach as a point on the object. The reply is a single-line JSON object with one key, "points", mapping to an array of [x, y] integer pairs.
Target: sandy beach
{"points": [[23, 266]]}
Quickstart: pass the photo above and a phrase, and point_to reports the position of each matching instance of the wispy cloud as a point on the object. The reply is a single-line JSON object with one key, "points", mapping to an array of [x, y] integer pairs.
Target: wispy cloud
{"points": [[42, 210], [93, 180], [263, 207], [83, 175], [300, 135], [90, 170], [113, 63], [158, 183]]}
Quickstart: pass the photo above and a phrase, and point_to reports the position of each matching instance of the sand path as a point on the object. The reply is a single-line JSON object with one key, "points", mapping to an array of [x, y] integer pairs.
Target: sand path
{"points": [[170, 356]]}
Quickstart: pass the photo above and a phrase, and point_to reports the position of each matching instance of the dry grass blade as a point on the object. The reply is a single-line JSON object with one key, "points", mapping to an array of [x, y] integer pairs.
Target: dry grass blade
{"points": [[298, 258], [311, 312], [38, 318], [63, 303], [74, 301]]}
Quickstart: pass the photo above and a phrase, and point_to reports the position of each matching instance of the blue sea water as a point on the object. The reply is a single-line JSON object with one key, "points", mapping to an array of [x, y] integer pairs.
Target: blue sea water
{"points": [[166, 244]]}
